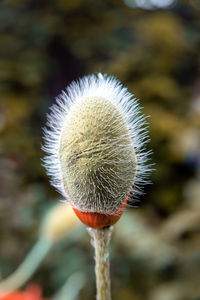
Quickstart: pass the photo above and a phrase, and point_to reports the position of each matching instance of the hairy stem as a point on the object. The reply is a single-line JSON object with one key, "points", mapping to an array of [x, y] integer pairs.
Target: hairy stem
{"points": [[100, 241]]}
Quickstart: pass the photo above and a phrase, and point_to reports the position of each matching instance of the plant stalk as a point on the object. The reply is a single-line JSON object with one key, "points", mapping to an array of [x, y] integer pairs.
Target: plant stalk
{"points": [[100, 241], [20, 276]]}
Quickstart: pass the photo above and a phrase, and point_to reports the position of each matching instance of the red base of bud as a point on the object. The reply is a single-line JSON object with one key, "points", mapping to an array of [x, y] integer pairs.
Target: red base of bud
{"points": [[97, 220]]}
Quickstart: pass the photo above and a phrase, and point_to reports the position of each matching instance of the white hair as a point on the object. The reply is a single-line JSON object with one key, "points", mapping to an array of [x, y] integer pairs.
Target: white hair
{"points": [[111, 89]]}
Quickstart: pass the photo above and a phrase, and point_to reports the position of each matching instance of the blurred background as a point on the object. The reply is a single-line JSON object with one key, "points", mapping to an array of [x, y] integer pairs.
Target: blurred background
{"points": [[153, 47]]}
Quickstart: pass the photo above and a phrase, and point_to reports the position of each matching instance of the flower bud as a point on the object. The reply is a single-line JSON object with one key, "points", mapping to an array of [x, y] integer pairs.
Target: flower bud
{"points": [[95, 143]]}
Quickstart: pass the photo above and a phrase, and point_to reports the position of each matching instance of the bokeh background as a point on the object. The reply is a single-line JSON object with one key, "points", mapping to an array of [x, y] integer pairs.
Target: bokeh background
{"points": [[153, 47]]}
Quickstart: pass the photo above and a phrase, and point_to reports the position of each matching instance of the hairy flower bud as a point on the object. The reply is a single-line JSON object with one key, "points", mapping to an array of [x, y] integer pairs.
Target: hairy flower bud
{"points": [[95, 143]]}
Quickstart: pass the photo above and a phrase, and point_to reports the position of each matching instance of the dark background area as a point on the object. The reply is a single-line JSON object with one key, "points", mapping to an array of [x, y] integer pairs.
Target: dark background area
{"points": [[153, 47]]}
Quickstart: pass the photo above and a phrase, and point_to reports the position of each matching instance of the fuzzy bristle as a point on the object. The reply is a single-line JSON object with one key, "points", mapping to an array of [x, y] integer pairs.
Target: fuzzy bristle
{"points": [[97, 156], [95, 143]]}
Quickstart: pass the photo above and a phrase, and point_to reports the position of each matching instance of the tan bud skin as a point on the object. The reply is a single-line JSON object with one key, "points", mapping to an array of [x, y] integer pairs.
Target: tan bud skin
{"points": [[98, 161]]}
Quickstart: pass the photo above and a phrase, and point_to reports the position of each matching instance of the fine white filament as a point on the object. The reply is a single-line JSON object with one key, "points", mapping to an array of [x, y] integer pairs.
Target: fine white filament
{"points": [[95, 141]]}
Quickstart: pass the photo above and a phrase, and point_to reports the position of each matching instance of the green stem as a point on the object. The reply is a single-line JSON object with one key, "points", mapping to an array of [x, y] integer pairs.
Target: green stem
{"points": [[71, 288], [27, 268]]}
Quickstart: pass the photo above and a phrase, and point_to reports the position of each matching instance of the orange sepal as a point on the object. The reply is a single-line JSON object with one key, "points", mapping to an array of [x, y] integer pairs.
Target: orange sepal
{"points": [[97, 220]]}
